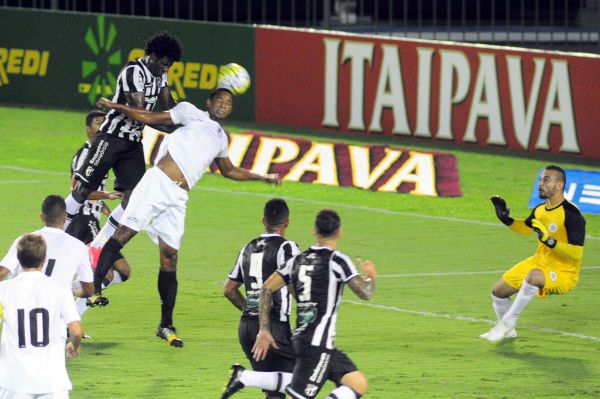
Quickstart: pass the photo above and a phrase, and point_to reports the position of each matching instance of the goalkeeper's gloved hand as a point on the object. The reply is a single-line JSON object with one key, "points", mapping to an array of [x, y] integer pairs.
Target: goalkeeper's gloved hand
{"points": [[501, 210], [543, 233]]}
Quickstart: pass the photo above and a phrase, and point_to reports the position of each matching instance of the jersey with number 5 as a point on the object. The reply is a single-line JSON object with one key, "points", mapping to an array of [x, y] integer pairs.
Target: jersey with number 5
{"points": [[66, 257], [318, 276], [32, 348]]}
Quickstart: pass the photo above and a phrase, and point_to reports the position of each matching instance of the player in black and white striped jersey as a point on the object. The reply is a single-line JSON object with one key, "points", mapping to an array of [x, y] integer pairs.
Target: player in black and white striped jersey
{"points": [[86, 224], [318, 276], [256, 261], [141, 84]]}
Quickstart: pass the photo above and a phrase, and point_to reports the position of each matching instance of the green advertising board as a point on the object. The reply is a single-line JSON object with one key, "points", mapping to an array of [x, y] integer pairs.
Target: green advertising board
{"points": [[68, 60]]}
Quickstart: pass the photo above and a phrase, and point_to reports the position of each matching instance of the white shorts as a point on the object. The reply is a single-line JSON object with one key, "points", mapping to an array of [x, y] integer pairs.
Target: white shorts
{"points": [[157, 205], [8, 394]]}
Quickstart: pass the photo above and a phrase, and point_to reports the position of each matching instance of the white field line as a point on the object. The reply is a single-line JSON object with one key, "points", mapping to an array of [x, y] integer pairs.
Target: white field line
{"points": [[441, 274], [472, 319], [309, 201], [24, 181]]}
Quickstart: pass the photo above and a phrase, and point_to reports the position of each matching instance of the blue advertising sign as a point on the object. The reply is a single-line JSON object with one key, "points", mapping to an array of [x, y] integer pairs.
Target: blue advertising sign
{"points": [[583, 189]]}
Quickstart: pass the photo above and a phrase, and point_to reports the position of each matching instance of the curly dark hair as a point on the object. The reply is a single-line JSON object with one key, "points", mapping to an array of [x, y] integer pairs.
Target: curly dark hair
{"points": [[163, 44]]}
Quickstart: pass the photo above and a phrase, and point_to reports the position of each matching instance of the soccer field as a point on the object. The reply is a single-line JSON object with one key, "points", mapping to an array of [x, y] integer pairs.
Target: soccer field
{"points": [[417, 337]]}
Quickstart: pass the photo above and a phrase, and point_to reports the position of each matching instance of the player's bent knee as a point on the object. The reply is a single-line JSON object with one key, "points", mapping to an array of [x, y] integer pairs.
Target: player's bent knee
{"points": [[356, 381], [125, 198], [536, 277]]}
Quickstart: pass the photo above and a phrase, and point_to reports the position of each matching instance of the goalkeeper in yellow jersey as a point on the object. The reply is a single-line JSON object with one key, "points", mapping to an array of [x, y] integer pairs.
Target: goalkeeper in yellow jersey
{"points": [[554, 268]]}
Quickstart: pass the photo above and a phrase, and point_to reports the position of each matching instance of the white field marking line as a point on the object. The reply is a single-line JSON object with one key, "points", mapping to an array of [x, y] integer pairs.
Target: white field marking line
{"points": [[24, 181], [19, 169], [473, 319], [363, 208], [264, 195], [437, 274]]}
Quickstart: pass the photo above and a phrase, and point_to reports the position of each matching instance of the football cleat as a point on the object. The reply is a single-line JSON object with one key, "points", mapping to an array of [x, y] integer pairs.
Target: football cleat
{"points": [[233, 384], [94, 253], [499, 332], [96, 300], [168, 334]]}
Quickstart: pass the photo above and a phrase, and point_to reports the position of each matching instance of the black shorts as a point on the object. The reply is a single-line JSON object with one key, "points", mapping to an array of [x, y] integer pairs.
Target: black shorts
{"points": [[281, 359], [84, 227], [125, 157], [314, 366]]}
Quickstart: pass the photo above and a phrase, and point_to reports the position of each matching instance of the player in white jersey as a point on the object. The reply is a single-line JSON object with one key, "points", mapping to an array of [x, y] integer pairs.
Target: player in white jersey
{"points": [[66, 256], [33, 312], [158, 203]]}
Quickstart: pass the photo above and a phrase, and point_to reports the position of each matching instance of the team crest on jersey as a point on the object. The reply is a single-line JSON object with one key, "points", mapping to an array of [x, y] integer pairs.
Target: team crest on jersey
{"points": [[553, 227], [140, 79], [89, 171], [311, 390], [553, 276]]}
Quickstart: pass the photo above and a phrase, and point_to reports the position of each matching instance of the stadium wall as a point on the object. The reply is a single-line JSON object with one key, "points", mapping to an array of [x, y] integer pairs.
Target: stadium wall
{"points": [[471, 95], [79, 57]]}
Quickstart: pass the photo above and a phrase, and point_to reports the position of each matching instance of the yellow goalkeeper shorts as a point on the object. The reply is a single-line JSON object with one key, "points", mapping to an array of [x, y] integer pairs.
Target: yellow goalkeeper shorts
{"points": [[558, 281]]}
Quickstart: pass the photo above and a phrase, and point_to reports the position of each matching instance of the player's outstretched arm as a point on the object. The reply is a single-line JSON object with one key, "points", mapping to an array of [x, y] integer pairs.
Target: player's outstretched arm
{"points": [[264, 339], [364, 288], [503, 214], [146, 117], [233, 172]]}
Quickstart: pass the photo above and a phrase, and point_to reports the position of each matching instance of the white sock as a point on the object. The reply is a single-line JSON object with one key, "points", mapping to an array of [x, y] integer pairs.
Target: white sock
{"points": [[501, 306], [342, 392], [72, 209], [117, 278], [80, 305], [109, 227], [269, 381], [524, 296]]}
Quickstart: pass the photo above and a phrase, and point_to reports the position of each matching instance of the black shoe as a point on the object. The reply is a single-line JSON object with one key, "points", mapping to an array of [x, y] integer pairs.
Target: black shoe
{"points": [[96, 300], [168, 334], [234, 384]]}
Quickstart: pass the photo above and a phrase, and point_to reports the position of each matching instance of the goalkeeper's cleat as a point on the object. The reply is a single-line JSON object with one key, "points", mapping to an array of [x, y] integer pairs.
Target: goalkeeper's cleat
{"points": [[94, 254], [87, 336], [169, 335], [233, 384], [96, 300], [500, 331]]}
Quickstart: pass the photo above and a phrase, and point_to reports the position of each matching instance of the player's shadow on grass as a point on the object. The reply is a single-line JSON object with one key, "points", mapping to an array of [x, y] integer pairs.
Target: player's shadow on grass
{"points": [[98, 348], [559, 368]]}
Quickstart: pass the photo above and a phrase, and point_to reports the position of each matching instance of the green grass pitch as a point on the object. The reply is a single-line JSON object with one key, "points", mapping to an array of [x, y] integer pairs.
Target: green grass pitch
{"points": [[417, 338]]}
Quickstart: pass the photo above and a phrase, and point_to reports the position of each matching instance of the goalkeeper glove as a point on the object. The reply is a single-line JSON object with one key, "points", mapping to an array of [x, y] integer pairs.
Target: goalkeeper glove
{"points": [[543, 233], [501, 210]]}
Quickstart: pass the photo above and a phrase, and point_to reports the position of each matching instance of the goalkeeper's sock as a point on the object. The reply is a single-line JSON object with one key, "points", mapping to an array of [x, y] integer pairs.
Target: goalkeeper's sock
{"points": [[523, 298], [501, 306], [343, 392], [269, 381]]}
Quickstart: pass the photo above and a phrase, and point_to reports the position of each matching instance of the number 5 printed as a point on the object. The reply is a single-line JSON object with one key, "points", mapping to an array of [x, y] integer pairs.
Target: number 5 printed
{"points": [[306, 281]]}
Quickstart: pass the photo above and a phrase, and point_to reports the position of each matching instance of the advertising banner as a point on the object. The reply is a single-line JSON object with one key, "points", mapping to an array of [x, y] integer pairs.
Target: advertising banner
{"points": [[79, 57], [473, 95], [377, 168], [582, 189]]}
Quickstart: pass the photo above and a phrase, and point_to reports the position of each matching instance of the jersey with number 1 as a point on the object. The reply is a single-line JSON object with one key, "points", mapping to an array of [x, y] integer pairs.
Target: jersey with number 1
{"points": [[259, 259], [318, 276], [33, 313], [66, 256]]}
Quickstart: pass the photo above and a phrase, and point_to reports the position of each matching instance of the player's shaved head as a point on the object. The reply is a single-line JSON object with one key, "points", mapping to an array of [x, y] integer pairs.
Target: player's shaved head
{"points": [[327, 222], [93, 114], [54, 209], [562, 177], [31, 251], [276, 212]]}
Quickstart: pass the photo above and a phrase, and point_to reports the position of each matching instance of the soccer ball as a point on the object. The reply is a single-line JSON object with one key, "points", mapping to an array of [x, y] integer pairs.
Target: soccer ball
{"points": [[234, 78]]}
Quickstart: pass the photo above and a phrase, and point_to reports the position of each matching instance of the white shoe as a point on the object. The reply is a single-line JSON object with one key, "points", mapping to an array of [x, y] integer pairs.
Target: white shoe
{"points": [[500, 331]]}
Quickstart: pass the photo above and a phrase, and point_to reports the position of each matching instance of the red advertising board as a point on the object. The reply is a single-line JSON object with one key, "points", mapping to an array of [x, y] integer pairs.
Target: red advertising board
{"points": [[473, 95]]}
